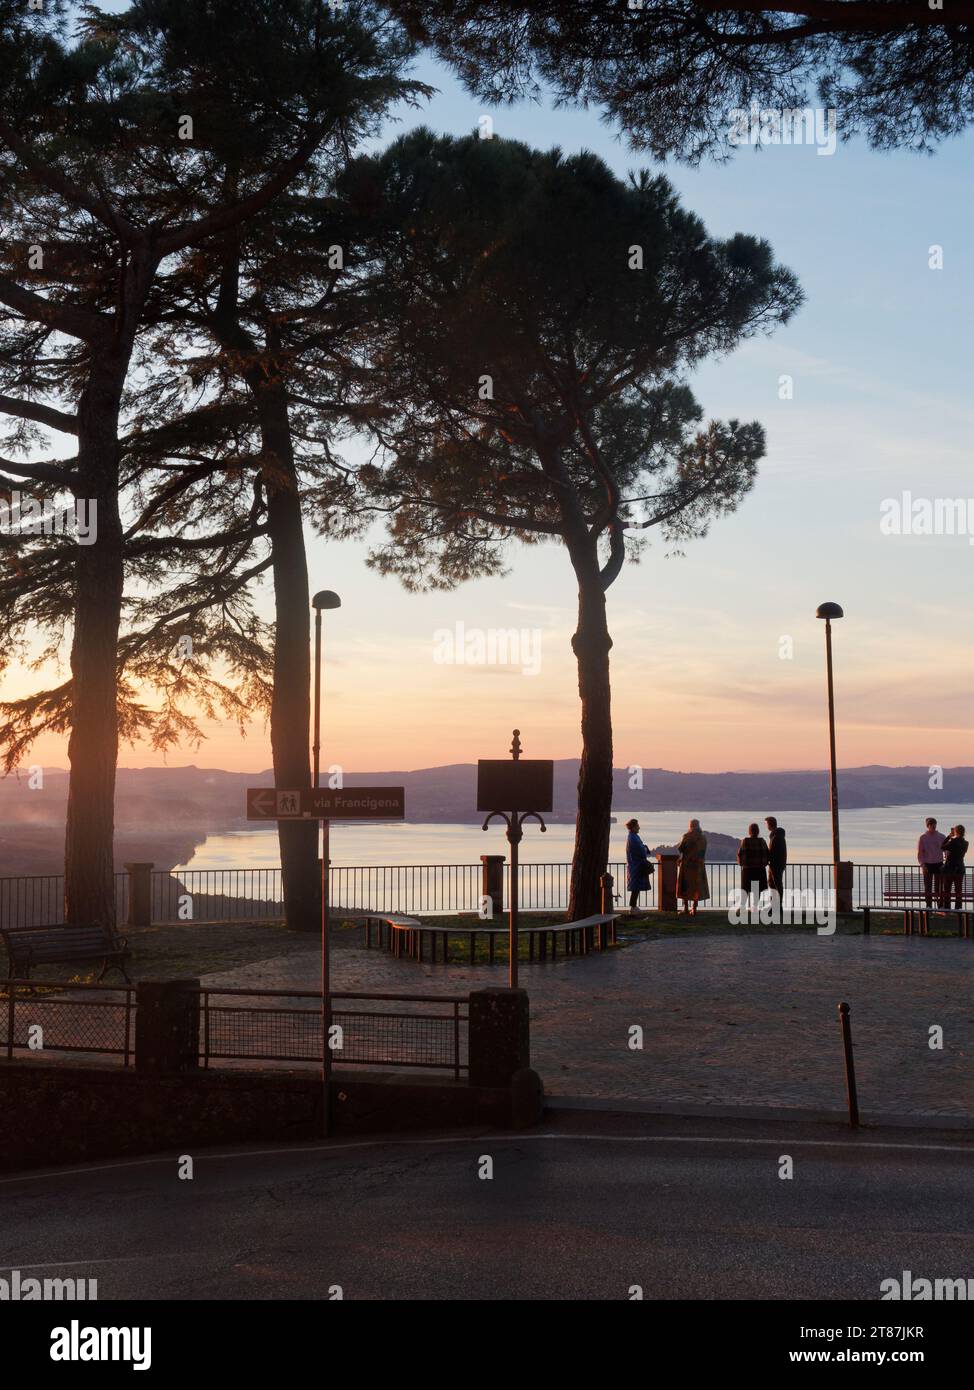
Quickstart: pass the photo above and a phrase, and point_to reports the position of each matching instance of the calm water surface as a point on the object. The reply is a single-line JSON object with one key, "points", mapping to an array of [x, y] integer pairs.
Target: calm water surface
{"points": [[886, 835]]}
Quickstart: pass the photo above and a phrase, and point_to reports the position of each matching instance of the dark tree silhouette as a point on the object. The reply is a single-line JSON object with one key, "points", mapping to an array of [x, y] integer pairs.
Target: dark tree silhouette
{"points": [[536, 319], [669, 72], [118, 154]]}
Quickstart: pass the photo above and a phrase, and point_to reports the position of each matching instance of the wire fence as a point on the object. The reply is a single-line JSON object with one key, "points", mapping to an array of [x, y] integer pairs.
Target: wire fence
{"points": [[256, 894], [398, 1030], [68, 1017], [240, 1025]]}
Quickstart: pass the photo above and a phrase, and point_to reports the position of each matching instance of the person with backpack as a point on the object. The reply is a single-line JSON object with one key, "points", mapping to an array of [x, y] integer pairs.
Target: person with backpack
{"points": [[753, 857], [777, 858], [952, 875]]}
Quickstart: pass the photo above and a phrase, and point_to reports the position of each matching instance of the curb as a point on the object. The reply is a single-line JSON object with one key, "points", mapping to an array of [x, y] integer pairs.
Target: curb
{"points": [[873, 1120]]}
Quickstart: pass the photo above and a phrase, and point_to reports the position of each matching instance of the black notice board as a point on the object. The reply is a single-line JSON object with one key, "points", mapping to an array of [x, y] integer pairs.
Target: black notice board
{"points": [[506, 785]]}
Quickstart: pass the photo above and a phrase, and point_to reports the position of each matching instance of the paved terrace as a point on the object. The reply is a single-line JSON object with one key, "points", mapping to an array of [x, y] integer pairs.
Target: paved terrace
{"points": [[726, 1020]]}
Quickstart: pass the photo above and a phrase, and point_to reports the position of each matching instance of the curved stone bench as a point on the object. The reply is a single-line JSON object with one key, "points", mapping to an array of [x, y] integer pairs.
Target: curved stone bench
{"points": [[407, 936]]}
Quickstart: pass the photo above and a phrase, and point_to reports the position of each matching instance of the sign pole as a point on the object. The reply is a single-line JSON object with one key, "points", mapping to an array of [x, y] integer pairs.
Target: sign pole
{"points": [[526, 782], [325, 986], [514, 835]]}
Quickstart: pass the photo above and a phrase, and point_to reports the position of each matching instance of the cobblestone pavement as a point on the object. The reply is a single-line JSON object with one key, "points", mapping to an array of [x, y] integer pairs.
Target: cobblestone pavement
{"points": [[725, 1020]]}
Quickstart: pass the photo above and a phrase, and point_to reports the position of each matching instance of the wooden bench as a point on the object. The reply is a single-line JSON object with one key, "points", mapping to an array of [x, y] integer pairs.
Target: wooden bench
{"points": [[916, 917], [904, 888], [394, 930], [407, 936], [62, 945]]}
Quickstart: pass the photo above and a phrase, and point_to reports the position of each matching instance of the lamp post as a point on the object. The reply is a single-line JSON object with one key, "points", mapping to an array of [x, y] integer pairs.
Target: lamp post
{"points": [[325, 598], [828, 611]]}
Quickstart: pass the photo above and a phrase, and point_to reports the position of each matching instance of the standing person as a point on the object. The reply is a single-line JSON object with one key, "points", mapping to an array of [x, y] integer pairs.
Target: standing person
{"points": [[952, 874], [930, 857], [778, 857], [691, 873], [753, 857], [638, 865]]}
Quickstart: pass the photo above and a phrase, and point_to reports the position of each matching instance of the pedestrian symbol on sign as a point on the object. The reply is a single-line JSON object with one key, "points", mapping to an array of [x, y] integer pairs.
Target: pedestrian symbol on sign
{"points": [[288, 804]]}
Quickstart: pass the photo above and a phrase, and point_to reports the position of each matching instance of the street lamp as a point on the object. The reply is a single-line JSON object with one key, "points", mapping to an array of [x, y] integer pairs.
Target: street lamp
{"points": [[325, 598], [828, 611]]}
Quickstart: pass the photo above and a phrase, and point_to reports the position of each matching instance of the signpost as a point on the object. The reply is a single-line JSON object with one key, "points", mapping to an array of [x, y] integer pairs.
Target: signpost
{"points": [[320, 803], [521, 782], [325, 805]]}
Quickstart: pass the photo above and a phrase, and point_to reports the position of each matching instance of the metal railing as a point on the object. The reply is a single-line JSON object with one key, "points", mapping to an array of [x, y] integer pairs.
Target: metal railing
{"points": [[385, 1034], [216, 895], [67, 1018], [256, 894], [38, 900]]}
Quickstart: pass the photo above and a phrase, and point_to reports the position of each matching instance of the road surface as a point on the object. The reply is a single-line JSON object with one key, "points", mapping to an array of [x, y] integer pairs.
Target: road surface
{"points": [[585, 1207]]}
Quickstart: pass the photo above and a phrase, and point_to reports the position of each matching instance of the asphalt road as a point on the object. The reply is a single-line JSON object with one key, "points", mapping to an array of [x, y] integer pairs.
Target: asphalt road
{"points": [[584, 1208]]}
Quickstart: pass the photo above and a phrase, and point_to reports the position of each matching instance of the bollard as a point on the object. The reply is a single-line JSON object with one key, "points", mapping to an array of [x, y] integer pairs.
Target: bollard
{"points": [[607, 883], [852, 1096]]}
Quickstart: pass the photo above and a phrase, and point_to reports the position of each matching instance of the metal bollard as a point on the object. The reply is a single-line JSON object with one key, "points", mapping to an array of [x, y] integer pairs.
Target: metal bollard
{"points": [[607, 883], [852, 1095]]}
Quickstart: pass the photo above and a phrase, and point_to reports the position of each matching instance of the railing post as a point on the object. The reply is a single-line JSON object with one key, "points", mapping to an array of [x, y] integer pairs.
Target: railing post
{"points": [[140, 894], [852, 1095], [666, 866], [843, 895], [492, 881], [167, 1025]]}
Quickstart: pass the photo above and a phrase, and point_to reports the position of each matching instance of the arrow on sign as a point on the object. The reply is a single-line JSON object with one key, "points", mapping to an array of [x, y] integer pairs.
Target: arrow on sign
{"points": [[261, 803]]}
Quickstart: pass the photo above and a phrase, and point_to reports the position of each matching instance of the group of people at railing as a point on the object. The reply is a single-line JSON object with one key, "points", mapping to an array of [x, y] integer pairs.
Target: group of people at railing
{"points": [[941, 860], [762, 863]]}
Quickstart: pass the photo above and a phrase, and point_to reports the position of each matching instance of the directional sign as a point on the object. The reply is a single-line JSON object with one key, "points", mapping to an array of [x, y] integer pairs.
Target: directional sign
{"points": [[308, 803], [525, 785]]}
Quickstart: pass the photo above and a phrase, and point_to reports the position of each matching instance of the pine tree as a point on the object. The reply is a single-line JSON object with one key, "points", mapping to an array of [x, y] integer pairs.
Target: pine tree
{"points": [[536, 321]]}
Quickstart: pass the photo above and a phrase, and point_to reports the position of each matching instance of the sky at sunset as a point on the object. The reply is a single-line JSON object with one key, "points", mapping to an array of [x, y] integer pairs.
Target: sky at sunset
{"points": [[702, 678]]}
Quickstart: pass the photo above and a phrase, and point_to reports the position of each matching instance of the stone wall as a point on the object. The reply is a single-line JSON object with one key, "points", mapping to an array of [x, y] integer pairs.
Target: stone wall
{"points": [[55, 1114]]}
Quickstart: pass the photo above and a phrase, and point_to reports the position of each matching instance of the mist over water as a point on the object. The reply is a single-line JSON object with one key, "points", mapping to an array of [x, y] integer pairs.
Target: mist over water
{"points": [[886, 835]]}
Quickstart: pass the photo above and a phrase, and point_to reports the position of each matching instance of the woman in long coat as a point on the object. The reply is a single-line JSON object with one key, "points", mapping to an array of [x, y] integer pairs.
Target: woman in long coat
{"points": [[638, 865], [691, 875]]}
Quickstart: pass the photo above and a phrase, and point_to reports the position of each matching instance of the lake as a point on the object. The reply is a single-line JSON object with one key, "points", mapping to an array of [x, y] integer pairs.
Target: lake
{"points": [[885, 835]]}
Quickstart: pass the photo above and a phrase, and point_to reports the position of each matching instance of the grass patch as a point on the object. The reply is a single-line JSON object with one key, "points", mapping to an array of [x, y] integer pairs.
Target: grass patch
{"points": [[174, 950]]}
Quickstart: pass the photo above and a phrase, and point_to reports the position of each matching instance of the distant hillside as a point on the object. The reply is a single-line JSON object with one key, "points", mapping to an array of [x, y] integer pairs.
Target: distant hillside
{"points": [[163, 813]]}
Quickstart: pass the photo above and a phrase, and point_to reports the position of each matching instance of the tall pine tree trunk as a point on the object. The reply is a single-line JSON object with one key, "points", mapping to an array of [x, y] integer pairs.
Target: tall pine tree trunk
{"points": [[89, 886], [591, 645], [291, 700]]}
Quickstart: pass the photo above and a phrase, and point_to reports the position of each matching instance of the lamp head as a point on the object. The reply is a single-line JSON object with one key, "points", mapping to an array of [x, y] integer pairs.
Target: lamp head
{"points": [[829, 610], [325, 598]]}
